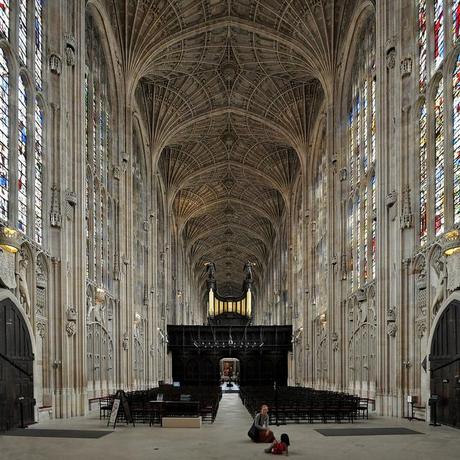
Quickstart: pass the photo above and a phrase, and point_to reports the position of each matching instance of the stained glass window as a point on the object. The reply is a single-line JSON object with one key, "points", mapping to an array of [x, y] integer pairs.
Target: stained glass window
{"points": [[365, 127], [86, 116], [439, 160], [38, 174], [358, 238], [5, 18], [22, 157], [423, 230], [22, 34], [102, 129], [366, 234], [351, 243], [361, 160], [438, 32], [38, 35], [373, 226], [351, 131], [456, 138], [373, 122], [4, 123], [422, 44]]}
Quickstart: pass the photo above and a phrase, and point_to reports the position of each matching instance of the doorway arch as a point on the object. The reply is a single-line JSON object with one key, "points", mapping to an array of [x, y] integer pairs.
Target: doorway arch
{"points": [[16, 366], [444, 363]]}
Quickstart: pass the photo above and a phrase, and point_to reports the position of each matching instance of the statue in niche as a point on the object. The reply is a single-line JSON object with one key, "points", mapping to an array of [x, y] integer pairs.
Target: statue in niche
{"points": [[22, 283], [439, 282], [89, 308]]}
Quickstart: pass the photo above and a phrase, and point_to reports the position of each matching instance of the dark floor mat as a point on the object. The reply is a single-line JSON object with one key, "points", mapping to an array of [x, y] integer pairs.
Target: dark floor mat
{"points": [[365, 431], [39, 433]]}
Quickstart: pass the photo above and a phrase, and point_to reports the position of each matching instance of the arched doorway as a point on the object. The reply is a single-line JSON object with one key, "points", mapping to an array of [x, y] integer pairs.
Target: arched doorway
{"points": [[16, 368], [229, 369], [445, 365]]}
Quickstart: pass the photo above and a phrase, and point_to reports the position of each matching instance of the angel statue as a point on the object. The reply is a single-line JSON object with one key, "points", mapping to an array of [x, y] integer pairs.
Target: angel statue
{"points": [[439, 283]]}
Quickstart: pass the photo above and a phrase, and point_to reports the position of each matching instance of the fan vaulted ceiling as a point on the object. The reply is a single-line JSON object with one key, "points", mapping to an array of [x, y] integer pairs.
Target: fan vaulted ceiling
{"points": [[230, 90]]}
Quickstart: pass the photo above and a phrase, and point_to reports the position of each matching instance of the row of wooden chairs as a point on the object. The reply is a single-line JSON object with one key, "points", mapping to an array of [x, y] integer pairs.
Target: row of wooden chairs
{"points": [[146, 406], [302, 405]]}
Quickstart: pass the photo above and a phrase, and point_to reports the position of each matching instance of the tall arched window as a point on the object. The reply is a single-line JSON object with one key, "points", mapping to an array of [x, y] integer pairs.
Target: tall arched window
{"points": [[22, 157], [38, 36], [4, 124], [22, 31], [422, 44], [321, 233], [456, 136], [38, 179], [23, 167], [423, 228], [439, 145], [98, 119], [439, 159], [361, 163], [438, 31]]}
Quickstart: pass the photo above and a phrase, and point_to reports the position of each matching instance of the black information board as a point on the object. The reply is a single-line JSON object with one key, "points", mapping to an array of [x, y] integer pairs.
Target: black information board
{"points": [[120, 401]]}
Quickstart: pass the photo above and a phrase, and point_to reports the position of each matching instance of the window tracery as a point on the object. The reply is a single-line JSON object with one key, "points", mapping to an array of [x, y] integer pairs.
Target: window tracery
{"points": [[98, 217], [361, 229], [22, 32], [38, 177], [439, 143], [4, 137], [38, 39], [22, 157]]}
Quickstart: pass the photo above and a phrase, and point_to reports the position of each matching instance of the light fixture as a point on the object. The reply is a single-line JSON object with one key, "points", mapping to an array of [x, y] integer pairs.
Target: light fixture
{"points": [[9, 239], [452, 245]]}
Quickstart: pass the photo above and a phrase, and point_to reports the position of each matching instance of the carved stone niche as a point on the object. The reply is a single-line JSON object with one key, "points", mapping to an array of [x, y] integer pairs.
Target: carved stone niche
{"points": [[391, 199], [117, 172], [71, 313], [392, 328], [391, 57], [71, 323], [343, 174], [391, 315], [361, 295], [406, 67], [55, 63], [406, 216], [71, 197], [70, 49], [55, 212]]}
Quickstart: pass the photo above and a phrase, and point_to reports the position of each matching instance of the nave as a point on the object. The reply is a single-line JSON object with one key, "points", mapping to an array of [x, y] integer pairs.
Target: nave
{"points": [[226, 439]]}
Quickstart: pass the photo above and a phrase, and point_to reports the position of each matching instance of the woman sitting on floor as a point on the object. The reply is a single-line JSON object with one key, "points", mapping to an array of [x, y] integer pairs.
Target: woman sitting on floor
{"points": [[264, 434]]}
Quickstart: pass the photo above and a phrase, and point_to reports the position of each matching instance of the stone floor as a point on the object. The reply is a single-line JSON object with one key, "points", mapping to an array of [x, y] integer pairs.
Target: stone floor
{"points": [[227, 439]]}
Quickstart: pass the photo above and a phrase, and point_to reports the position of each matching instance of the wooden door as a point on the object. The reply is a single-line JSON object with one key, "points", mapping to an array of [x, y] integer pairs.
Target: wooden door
{"points": [[16, 369], [445, 365]]}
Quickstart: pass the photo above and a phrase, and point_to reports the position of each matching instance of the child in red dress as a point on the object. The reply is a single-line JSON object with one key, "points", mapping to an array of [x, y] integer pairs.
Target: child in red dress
{"points": [[279, 447]]}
